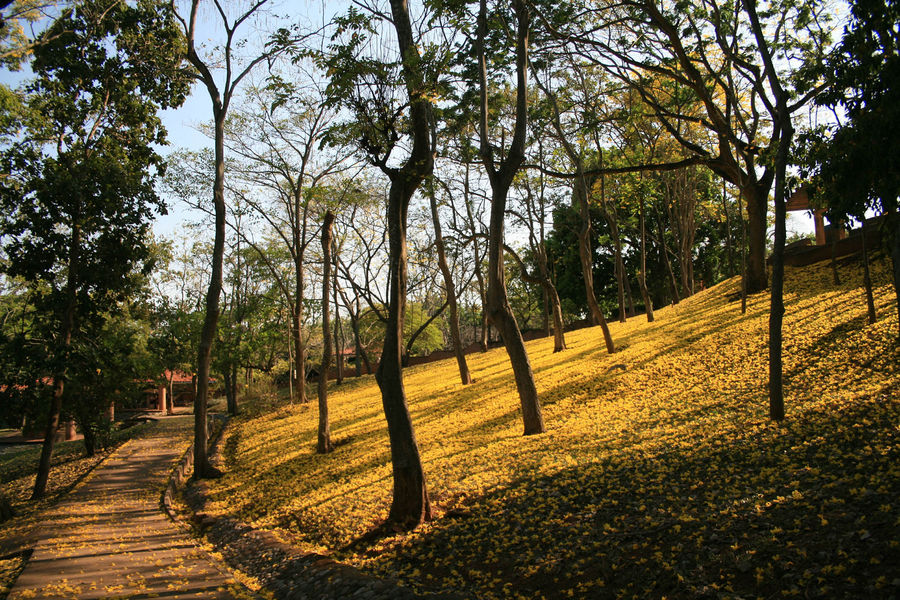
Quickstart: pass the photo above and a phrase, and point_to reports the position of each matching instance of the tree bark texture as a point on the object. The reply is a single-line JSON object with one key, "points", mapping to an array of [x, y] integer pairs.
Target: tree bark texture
{"points": [[59, 377], [323, 444], [498, 308], [410, 505], [202, 466], [464, 375]]}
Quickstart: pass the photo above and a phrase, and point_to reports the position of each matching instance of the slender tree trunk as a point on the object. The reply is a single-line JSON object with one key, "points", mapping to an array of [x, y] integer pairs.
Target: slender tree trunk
{"points": [[299, 345], [629, 296], [455, 336], [59, 378], [479, 277], [499, 311], [893, 236], [776, 311], [620, 281], [743, 257], [501, 316], [559, 339], [202, 467], [582, 195], [545, 313], [585, 254], [410, 505], [642, 275], [867, 279], [664, 251], [729, 245], [323, 446], [290, 362], [338, 331]]}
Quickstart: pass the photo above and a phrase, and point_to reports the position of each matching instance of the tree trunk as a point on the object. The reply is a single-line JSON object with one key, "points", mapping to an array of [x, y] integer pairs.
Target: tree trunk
{"points": [[202, 467], [90, 439], [664, 251], [729, 245], [642, 275], [479, 277], [59, 378], [620, 281], [893, 236], [323, 446], [233, 401], [559, 339], [455, 336], [410, 505], [338, 332], [545, 312], [585, 255], [757, 205], [867, 279], [299, 345], [629, 296], [499, 311], [582, 195]]}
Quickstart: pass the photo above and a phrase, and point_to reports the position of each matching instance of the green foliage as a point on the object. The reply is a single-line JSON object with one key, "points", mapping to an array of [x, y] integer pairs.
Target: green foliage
{"points": [[78, 198], [856, 166]]}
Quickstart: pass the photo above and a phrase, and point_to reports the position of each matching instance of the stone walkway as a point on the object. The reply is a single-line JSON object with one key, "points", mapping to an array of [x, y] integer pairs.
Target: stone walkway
{"points": [[109, 539]]}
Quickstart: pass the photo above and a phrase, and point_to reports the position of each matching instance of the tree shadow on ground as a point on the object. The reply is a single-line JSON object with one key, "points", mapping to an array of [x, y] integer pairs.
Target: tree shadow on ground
{"points": [[807, 508]]}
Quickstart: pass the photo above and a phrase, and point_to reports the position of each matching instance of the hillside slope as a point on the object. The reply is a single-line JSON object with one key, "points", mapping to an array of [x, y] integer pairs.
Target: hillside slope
{"points": [[659, 475]]}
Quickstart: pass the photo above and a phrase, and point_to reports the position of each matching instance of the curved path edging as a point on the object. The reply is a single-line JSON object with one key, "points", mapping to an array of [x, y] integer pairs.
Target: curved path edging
{"points": [[281, 569]]}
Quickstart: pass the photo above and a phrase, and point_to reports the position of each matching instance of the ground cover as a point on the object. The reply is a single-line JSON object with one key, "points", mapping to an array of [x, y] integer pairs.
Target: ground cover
{"points": [[660, 474], [69, 463]]}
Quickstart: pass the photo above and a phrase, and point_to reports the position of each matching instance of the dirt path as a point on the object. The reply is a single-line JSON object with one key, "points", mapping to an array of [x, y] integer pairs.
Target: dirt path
{"points": [[109, 539]]}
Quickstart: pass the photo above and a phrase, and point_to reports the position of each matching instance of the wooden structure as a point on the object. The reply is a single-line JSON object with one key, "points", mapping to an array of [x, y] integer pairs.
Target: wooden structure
{"points": [[830, 241], [182, 394]]}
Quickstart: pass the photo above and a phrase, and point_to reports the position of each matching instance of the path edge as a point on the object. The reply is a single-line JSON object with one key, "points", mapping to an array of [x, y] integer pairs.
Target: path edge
{"points": [[281, 570]]}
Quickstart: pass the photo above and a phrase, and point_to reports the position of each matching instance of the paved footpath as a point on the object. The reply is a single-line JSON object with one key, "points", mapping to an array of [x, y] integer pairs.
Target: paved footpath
{"points": [[109, 539]]}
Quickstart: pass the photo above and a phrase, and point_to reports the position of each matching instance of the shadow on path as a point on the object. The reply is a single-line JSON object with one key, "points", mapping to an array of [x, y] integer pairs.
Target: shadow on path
{"points": [[109, 538]]}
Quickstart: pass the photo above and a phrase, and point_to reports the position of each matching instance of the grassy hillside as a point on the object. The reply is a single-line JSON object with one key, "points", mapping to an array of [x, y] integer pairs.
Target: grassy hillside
{"points": [[660, 473]]}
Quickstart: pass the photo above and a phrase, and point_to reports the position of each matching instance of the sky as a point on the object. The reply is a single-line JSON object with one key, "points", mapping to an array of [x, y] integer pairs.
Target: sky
{"points": [[183, 123]]}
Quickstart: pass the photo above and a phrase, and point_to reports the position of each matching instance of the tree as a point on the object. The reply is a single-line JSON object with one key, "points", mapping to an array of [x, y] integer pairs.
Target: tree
{"points": [[324, 445], [276, 134], [364, 86], [582, 194], [220, 96], [76, 214], [714, 57], [449, 288], [501, 177]]}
